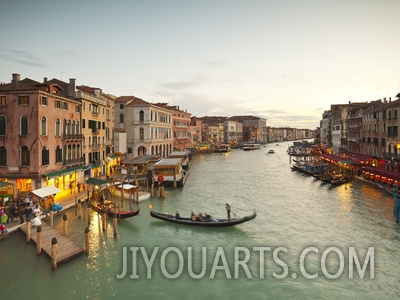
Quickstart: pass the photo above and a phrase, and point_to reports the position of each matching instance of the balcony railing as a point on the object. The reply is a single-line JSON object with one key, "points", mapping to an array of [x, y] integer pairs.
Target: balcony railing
{"points": [[73, 161], [390, 155], [72, 136]]}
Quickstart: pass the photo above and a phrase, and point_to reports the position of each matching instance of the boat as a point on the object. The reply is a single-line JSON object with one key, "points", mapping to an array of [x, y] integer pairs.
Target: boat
{"points": [[112, 210], [128, 191], [224, 148], [251, 146], [170, 172], [212, 223], [272, 151]]}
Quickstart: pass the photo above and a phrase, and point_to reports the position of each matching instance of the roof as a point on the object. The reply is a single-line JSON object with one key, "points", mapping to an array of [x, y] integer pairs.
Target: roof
{"points": [[167, 162], [131, 100], [96, 181], [179, 154], [142, 159], [383, 172], [46, 191]]}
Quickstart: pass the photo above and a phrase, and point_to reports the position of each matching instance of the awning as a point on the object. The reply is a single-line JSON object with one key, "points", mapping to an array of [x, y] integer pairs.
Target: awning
{"points": [[382, 172], [46, 191], [63, 172], [5, 185], [96, 181]]}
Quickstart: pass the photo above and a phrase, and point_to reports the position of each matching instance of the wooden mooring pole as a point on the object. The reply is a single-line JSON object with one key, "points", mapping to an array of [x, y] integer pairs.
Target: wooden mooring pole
{"points": [[87, 240], [38, 240], [65, 224], [79, 209], [28, 231], [54, 251]]}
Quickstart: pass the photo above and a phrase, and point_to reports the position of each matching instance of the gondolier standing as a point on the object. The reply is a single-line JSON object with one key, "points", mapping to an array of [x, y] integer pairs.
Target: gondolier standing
{"points": [[228, 210]]}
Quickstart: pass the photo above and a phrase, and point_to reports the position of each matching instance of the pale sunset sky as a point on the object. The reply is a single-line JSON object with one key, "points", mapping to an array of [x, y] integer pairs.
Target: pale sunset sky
{"points": [[286, 61]]}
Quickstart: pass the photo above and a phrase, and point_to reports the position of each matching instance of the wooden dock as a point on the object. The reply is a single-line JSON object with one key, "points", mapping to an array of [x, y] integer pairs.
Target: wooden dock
{"points": [[67, 249]]}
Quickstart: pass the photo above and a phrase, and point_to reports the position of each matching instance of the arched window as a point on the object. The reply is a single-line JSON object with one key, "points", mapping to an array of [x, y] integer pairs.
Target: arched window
{"points": [[24, 126], [44, 126], [141, 133], [141, 115], [121, 118], [65, 127], [58, 123], [3, 125], [45, 156], [25, 156], [73, 127], [58, 154], [77, 130], [3, 156]]}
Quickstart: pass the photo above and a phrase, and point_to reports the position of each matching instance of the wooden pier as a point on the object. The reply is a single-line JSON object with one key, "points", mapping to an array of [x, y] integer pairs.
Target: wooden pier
{"points": [[67, 249]]}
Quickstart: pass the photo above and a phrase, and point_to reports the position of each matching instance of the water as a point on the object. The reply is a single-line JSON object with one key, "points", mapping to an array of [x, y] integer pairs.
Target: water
{"points": [[294, 211]]}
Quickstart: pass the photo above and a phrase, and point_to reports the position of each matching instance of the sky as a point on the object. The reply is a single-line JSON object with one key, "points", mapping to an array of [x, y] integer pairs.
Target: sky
{"points": [[286, 61]]}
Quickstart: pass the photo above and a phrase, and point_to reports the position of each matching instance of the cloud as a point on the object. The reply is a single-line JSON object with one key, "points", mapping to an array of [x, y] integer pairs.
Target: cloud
{"points": [[21, 57]]}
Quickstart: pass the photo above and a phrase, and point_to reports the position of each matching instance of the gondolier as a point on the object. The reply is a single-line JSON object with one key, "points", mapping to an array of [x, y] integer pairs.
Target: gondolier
{"points": [[228, 210]]}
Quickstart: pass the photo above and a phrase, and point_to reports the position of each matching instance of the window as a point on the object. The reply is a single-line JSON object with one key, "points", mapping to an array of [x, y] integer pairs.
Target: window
{"points": [[24, 126], [58, 154], [44, 125], [43, 100], [121, 106], [121, 118], [141, 116], [57, 104], [23, 100], [141, 133], [25, 156], [58, 123], [3, 100], [65, 105], [83, 123], [3, 126], [45, 156], [3, 156]]}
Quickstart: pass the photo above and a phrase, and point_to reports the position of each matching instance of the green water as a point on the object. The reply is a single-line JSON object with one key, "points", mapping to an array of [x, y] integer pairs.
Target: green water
{"points": [[294, 213]]}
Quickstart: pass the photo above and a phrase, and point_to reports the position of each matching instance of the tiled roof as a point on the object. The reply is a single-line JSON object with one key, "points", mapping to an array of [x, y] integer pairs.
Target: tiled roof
{"points": [[131, 100]]}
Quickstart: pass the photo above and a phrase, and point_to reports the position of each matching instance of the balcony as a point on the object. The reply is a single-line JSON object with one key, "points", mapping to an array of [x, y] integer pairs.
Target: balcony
{"points": [[390, 155], [73, 161], [72, 136]]}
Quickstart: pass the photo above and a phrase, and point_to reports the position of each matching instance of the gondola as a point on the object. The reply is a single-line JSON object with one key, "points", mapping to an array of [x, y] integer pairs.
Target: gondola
{"points": [[212, 223], [110, 208]]}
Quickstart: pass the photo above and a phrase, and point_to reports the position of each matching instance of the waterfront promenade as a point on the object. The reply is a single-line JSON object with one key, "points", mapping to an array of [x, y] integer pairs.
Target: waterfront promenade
{"points": [[65, 198]]}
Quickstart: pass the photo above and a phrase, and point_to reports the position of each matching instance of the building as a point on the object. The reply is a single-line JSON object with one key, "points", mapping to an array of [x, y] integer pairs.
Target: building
{"points": [[40, 135], [180, 127], [148, 127]]}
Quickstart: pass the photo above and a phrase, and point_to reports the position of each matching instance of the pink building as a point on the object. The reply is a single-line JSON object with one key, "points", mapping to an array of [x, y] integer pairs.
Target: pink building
{"points": [[40, 136]]}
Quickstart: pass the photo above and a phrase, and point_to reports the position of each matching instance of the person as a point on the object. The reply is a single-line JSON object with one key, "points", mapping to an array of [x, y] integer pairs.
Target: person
{"points": [[79, 187], [228, 210], [36, 221], [70, 188], [193, 216], [15, 212], [177, 216], [28, 212], [21, 212]]}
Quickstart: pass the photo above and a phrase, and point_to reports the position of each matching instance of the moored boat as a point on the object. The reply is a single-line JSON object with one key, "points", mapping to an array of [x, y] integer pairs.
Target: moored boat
{"points": [[112, 210], [251, 146], [206, 223], [271, 151]]}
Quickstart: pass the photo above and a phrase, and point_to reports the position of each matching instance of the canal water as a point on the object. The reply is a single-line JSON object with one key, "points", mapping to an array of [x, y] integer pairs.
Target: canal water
{"points": [[309, 240]]}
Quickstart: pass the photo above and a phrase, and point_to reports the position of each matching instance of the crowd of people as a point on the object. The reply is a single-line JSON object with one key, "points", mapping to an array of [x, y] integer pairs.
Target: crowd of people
{"points": [[21, 210]]}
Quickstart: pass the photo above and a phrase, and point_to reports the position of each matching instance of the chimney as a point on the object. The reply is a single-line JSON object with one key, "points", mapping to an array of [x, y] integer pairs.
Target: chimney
{"points": [[15, 78], [44, 79], [71, 87]]}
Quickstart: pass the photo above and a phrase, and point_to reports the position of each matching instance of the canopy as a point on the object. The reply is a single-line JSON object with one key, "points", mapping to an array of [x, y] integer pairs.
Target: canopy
{"points": [[5, 185], [46, 191], [98, 181], [127, 186]]}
